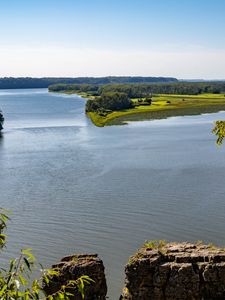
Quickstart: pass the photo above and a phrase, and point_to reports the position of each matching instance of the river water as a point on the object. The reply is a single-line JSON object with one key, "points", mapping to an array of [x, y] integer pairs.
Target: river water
{"points": [[76, 188]]}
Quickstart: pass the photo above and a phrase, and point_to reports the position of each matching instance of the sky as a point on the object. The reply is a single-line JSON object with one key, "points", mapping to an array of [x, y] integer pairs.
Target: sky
{"points": [[70, 38]]}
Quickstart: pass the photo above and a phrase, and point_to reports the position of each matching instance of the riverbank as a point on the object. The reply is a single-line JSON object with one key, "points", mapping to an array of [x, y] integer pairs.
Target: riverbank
{"points": [[162, 106]]}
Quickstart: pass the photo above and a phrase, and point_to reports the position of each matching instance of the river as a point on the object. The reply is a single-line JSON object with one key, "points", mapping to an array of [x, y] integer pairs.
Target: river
{"points": [[76, 188]]}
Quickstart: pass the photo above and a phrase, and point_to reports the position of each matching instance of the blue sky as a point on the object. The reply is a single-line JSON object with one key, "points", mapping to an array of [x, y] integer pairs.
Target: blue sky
{"points": [[181, 38]]}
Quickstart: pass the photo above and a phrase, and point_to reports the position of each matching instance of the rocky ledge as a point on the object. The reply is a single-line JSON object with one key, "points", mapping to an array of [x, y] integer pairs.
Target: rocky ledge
{"points": [[74, 266], [158, 271], [172, 271]]}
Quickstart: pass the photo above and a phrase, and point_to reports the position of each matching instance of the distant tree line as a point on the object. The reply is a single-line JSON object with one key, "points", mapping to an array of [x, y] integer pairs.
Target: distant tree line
{"points": [[184, 88], [28, 82], [136, 90], [74, 87]]}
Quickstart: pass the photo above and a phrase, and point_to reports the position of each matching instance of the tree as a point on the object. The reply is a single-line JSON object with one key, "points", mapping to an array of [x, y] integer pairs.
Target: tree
{"points": [[112, 101]]}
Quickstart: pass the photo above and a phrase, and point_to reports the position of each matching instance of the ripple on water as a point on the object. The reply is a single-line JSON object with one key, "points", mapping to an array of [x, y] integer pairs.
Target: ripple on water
{"points": [[77, 188]]}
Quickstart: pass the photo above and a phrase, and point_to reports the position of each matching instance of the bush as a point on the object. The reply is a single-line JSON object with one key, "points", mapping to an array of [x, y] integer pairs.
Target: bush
{"points": [[148, 100]]}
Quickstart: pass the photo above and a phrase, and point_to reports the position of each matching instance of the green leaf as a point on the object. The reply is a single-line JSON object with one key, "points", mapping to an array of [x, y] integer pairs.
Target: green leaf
{"points": [[22, 280], [27, 263], [28, 253]]}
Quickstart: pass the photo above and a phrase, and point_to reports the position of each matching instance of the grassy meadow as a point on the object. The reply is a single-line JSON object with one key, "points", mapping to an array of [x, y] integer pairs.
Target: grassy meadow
{"points": [[162, 106]]}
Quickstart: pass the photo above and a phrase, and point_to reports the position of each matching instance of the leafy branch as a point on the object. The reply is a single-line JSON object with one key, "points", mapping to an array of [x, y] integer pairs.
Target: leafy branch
{"points": [[219, 131], [16, 284]]}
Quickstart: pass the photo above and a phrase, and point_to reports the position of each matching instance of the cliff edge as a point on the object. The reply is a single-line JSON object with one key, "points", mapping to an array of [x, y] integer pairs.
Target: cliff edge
{"points": [[74, 266], [175, 271]]}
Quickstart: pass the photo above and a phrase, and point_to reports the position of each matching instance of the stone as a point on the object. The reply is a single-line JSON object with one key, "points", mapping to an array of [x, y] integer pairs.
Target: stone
{"points": [[74, 266], [175, 271]]}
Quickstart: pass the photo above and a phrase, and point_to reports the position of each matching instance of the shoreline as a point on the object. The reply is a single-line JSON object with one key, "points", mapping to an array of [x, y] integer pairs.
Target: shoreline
{"points": [[122, 117], [159, 115], [179, 105]]}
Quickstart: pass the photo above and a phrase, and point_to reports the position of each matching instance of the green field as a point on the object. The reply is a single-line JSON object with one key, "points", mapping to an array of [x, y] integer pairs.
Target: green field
{"points": [[163, 106]]}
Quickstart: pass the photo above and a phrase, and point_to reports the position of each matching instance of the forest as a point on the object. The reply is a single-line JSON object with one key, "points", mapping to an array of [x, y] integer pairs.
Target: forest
{"points": [[134, 90], [29, 82]]}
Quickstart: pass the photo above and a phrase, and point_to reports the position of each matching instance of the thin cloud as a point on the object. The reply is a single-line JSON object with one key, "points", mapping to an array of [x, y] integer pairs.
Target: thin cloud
{"points": [[60, 61]]}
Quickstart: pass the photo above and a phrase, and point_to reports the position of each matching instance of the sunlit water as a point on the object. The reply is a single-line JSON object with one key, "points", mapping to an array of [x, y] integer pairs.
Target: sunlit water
{"points": [[76, 188]]}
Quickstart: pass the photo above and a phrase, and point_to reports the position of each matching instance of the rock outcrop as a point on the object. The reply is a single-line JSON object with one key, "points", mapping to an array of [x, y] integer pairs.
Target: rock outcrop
{"points": [[158, 271], [175, 271], [73, 267]]}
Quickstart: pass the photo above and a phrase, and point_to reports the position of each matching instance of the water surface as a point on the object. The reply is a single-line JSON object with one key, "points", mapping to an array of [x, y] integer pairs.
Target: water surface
{"points": [[74, 187]]}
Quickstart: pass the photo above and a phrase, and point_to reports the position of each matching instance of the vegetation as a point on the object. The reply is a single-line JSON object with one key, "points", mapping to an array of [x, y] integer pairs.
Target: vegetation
{"points": [[148, 245], [160, 106], [28, 82], [15, 283], [155, 244], [147, 100], [182, 88], [219, 131], [140, 90], [75, 88], [108, 102]]}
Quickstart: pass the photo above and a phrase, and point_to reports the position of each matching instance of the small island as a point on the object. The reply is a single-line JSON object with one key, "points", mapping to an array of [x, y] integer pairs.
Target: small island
{"points": [[113, 104]]}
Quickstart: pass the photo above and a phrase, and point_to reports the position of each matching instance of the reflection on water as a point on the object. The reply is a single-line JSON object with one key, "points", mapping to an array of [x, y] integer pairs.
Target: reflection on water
{"points": [[77, 188]]}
